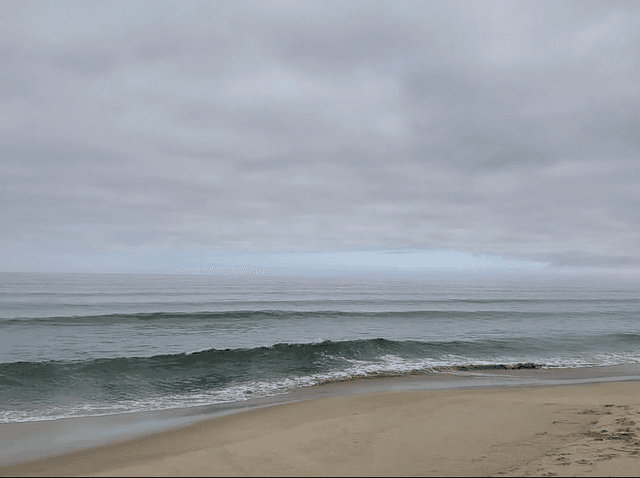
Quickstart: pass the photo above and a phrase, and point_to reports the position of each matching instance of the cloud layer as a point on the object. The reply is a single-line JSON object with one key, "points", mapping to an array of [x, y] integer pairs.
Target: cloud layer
{"points": [[507, 128]]}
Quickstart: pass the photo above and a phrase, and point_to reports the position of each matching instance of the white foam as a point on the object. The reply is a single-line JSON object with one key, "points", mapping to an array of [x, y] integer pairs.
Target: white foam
{"points": [[387, 364]]}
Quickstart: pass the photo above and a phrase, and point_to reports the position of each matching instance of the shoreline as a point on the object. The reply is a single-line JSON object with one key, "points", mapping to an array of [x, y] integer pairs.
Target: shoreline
{"points": [[134, 430]]}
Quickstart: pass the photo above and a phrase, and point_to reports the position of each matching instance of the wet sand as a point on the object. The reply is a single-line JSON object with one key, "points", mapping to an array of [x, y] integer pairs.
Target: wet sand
{"points": [[561, 430]]}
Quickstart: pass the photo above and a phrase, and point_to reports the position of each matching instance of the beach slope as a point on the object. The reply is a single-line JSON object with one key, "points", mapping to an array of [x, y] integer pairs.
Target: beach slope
{"points": [[576, 430]]}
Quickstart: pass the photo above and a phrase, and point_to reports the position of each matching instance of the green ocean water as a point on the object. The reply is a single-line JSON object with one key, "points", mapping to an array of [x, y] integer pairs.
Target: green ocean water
{"points": [[92, 344]]}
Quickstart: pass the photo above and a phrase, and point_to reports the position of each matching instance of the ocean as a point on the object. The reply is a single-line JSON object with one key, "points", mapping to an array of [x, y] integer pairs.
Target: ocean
{"points": [[77, 345]]}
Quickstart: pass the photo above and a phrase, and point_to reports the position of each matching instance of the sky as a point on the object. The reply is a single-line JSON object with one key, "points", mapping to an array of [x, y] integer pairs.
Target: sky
{"points": [[153, 136]]}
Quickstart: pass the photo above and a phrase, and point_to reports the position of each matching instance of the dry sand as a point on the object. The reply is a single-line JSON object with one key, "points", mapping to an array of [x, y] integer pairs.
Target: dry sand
{"points": [[576, 430]]}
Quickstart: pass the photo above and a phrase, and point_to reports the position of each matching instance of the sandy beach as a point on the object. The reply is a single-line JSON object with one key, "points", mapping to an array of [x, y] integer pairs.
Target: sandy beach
{"points": [[576, 430]]}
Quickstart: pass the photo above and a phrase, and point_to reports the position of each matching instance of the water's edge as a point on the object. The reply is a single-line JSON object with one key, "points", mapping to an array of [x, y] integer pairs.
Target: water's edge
{"points": [[30, 441]]}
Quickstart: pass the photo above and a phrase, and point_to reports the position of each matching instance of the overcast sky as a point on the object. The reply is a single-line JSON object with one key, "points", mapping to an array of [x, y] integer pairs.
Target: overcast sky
{"points": [[134, 134]]}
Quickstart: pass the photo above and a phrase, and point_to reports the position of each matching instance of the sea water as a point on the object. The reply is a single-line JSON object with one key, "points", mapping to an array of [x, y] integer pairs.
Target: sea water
{"points": [[74, 345]]}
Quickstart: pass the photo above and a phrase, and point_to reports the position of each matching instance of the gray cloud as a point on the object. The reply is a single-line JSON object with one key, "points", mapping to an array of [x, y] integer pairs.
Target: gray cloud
{"points": [[486, 127]]}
